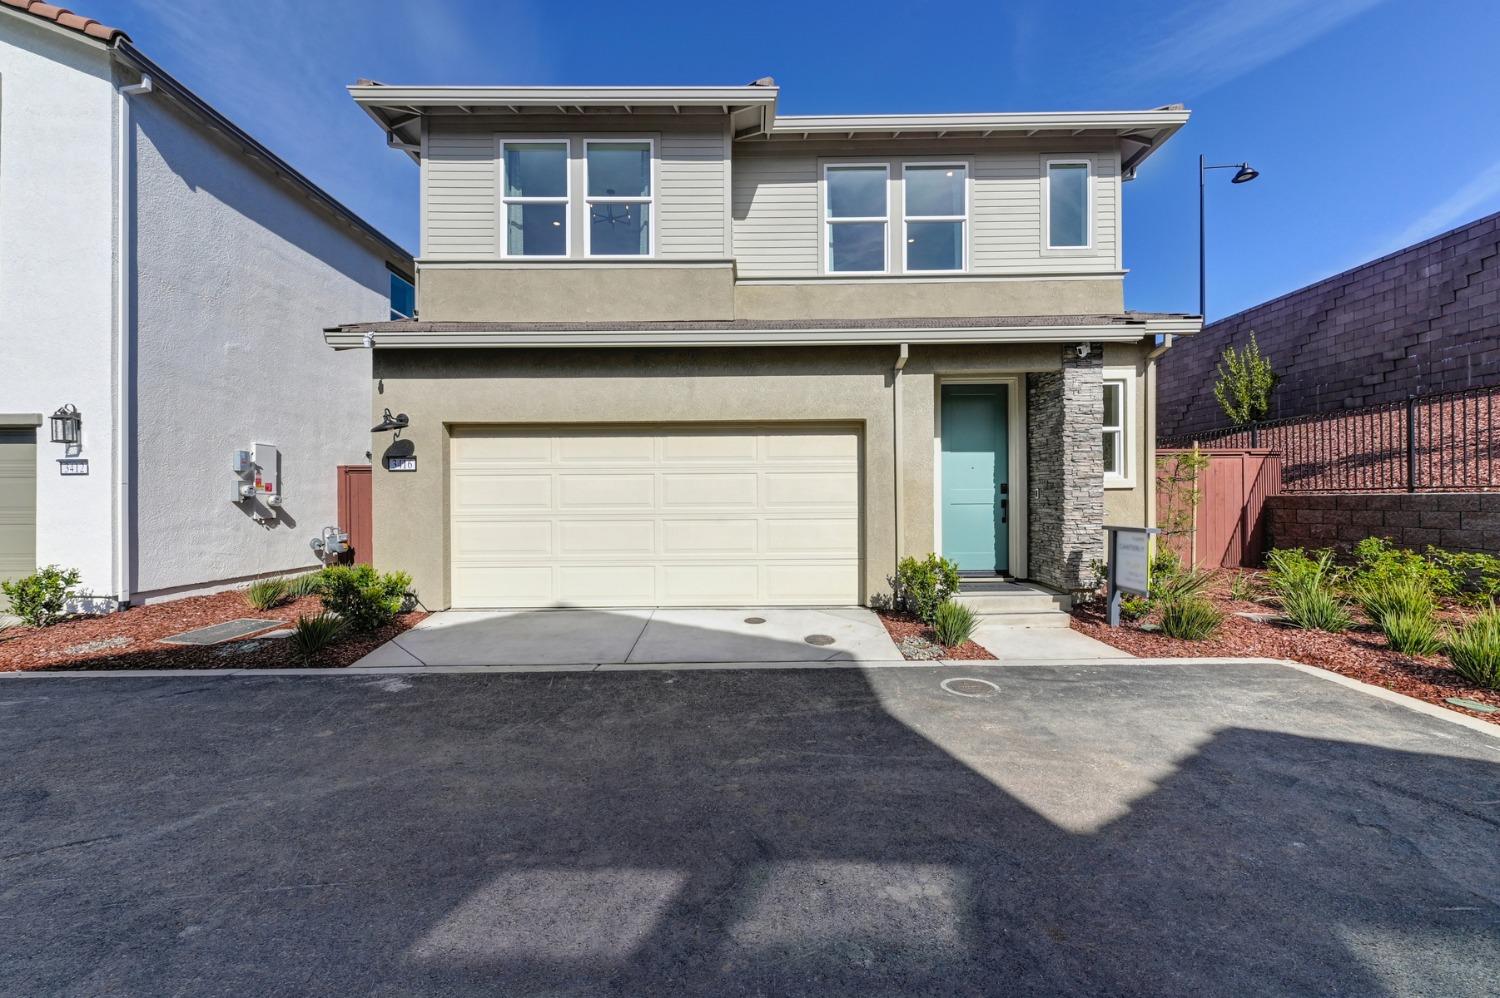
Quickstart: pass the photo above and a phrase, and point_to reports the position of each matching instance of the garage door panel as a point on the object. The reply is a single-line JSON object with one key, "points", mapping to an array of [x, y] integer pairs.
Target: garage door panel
{"points": [[495, 493], [659, 516], [708, 489], [609, 537], [735, 538], [823, 536], [825, 488], [711, 583], [606, 585], [503, 539], [606, 449], [578, 491]]}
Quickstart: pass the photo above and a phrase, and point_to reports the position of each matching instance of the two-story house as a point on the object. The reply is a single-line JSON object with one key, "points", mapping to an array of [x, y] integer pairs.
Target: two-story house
{"points": [[675, 349]]}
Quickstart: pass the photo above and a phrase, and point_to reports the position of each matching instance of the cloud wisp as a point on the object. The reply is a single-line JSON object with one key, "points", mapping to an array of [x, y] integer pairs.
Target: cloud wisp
{"points": [[1206, 47], [1456, 208]]}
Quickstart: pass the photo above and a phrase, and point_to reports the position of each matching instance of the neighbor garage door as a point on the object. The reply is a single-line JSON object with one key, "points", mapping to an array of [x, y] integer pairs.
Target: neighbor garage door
{"points": [[655, 516], [17, 504]]}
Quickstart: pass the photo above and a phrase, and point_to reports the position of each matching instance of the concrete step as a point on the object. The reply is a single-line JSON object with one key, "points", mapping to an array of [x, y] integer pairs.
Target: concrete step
{"points": [[1015, 600]]}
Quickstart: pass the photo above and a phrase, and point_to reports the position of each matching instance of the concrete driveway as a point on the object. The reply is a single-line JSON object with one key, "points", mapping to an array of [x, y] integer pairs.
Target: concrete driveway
{"points": [[1114, 828], [564, 637]]}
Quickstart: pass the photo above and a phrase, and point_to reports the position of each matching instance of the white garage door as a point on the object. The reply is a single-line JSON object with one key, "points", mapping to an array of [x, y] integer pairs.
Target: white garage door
{"points": [[655, 516]]}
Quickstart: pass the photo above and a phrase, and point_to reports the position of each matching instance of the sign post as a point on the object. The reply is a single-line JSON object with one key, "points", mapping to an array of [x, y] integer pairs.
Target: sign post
{"points": [[1129, 567]]}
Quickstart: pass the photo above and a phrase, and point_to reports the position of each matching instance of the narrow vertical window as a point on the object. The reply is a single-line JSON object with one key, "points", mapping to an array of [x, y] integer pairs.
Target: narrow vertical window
{"points": [[1068, 220], [936, 199], [534, 191], [1114, 429], [403, 297], [856, 211], [618, 196]]}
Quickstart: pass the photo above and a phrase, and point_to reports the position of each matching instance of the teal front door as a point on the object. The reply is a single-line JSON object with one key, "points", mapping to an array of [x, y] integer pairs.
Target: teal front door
{"points": [[975, 463]]}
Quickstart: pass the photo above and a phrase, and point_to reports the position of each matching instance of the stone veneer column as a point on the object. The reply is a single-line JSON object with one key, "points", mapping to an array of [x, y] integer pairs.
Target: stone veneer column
{"points": [[1065, 469]]}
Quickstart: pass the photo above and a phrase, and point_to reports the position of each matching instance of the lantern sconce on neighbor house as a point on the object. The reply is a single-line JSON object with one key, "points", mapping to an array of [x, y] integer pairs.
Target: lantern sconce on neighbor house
{"points": [[67, 426]]}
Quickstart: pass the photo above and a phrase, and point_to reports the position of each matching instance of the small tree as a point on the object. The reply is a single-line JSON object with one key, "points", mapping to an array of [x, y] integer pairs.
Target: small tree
{"points": [[1246, 381]]}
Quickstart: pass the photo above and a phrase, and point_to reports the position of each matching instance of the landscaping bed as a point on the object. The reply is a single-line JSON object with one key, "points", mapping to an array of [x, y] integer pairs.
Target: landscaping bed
{"points": [[917, 643], [1360, 653], [131, 639]]}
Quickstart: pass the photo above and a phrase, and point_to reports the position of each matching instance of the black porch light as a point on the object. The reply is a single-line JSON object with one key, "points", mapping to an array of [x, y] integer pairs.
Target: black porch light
{"points": [[66, 425], [388, 422]]}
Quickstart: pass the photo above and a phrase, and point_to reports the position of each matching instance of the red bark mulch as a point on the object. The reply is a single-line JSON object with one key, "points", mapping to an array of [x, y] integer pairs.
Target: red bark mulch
{"points": [[1360, 653], [900, 625], [130, 639]]}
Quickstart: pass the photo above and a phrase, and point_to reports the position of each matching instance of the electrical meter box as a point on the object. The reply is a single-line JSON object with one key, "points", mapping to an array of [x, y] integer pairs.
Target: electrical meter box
{"points": [[240, 463], [265, 461]]}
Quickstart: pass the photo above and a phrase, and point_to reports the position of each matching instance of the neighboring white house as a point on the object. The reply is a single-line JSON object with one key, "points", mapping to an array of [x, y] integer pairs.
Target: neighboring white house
{"points": [[167, 276]]}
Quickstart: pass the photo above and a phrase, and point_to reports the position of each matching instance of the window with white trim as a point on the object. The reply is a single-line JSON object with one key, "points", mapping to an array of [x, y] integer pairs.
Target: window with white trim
{"points": [[856, 211], [534, 190], [1069, 208], [618, 198], [935, 215], [1114, 429]]}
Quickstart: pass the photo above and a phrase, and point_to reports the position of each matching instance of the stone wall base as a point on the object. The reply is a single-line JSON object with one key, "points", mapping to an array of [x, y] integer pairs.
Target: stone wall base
{"points": [[1457, 521]]}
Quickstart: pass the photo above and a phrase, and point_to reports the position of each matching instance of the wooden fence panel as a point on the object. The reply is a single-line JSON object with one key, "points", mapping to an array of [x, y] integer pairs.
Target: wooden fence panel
{"points": [[1226, 527]]}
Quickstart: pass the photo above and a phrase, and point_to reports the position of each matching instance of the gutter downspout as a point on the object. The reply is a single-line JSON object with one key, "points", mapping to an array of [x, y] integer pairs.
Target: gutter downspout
{"points": [[901, 359], [1148, 476], [124, 340]]}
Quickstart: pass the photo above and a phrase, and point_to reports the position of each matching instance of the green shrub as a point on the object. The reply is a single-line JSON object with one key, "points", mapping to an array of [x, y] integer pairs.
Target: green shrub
{"points": [[364, 599], [41, 597], [1290, 570], [1377, 562], [314, 633], [305, 585], [266, 593], [953, 623], [1474, 649], [1190, 618], [1406, 594], [1411, 633], [1180, 585], [1472, 577], [1134, 607], [922, 586], [1241, 587], [1316, 608]]}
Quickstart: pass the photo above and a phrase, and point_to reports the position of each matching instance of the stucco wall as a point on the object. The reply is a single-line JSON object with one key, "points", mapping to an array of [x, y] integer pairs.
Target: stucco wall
{"points": [[442, 388], [576, 292], [1131, 506], [884, 299], [235, 278], [56, 275]]}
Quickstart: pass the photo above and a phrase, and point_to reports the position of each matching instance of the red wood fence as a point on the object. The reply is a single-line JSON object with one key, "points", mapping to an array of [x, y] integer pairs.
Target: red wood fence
{"points": [[356, 509], [1226, 526]]}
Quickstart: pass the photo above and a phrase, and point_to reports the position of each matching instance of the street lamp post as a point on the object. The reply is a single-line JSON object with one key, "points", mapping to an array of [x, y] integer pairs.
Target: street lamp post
{"points": [[1243, 175]]}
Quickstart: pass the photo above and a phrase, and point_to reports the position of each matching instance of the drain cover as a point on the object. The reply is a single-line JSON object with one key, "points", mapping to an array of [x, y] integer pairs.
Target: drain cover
{"points": [[755, 620], [818, 639], [965, 687]]}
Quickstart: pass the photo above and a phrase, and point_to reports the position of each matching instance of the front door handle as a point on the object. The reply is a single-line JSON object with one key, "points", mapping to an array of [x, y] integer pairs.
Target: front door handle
{"points": [[1004, 510]]}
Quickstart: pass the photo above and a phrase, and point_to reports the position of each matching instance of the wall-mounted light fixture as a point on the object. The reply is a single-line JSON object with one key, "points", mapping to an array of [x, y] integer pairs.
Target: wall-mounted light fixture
{"points": [[388, 422], [66, 425]]}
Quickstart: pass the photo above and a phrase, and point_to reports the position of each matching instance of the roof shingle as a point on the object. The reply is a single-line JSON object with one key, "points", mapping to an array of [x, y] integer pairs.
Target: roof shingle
{"points": [[65, 18]]}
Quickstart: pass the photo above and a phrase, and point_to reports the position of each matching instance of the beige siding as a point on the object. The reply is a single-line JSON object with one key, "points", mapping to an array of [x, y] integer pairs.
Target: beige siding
{"points": [[461, 195], [693, 199], [776, 228], [461, 191]]}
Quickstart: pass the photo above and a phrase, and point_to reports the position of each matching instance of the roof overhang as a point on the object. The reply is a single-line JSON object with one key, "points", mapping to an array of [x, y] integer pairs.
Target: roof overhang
{"points": [[474, 335], [1139, 132], [399, 109]]}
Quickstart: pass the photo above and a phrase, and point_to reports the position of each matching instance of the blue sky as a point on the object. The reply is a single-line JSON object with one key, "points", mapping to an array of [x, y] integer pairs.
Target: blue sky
{"points": [[1374, 123]]}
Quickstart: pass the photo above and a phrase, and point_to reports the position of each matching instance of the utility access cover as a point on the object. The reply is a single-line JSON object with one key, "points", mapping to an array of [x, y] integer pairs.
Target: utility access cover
{"points": [[227, 631]]}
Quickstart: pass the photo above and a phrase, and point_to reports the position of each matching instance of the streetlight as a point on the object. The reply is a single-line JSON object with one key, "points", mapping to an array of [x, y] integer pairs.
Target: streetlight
{"points": [[1244, 173]]}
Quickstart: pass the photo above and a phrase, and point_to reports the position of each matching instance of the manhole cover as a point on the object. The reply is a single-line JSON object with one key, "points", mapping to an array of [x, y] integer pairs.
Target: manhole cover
{"points": [[964, 687], [818, 639], [755, 620]]}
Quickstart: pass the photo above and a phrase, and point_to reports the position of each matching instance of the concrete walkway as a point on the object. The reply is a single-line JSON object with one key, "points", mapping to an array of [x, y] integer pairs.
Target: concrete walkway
{"points": [[511, 638], [1043, 644]]}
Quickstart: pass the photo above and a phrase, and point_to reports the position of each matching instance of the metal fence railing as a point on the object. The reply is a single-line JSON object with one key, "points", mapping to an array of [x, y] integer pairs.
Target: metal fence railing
{"points": [[1448, 442]]}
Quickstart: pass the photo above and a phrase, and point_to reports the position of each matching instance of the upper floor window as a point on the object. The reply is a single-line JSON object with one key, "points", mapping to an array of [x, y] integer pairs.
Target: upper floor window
{"points": [[1068, 211], [936, 215], [403, 297], [618, 197], [534, 189], [857, 212]]}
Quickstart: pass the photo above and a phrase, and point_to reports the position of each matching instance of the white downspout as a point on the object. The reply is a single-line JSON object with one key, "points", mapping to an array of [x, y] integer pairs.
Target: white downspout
{"points": [[901, 359], [124, 343]]}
